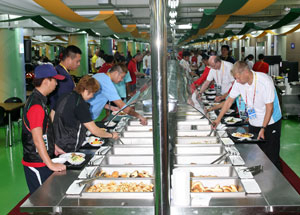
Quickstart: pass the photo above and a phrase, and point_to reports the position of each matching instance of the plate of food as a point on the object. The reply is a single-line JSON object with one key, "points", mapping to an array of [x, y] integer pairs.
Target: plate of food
{"points": [[122, 113], [111, 124], [242, 135], [70, 154], [95, 141], [76, 159], [232, 120]]}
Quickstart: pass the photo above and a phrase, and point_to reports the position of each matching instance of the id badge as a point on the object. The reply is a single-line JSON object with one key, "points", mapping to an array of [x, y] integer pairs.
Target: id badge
{"points": [[45, 138], [251, 113], [218, 90]]}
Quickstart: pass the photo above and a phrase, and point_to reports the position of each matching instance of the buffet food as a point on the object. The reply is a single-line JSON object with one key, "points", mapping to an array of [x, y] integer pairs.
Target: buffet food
{"points": [[121, 187], [116, 174], [197, 187], [232, 120], [76, 159], [242, 135], [97, 142]]}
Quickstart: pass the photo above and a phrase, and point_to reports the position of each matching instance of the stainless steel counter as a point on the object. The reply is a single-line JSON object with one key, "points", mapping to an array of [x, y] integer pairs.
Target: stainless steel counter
{"points": [[277, 195]]}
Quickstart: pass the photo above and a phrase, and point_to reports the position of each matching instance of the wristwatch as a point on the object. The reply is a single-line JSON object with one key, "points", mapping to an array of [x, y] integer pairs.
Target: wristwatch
{"points": [[264, 127]]}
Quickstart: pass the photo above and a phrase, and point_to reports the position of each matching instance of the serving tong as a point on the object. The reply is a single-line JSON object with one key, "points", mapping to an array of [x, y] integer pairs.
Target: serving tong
{"points": [[254, 169]]}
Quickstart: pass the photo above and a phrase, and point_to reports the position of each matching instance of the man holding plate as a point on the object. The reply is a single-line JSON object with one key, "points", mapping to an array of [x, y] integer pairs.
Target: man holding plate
{"points": [[262, 105]]}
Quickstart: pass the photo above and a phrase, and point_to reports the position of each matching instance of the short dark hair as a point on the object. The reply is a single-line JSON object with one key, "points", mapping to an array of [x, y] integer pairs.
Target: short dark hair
{"points": [[205, 57], [109, 59], [225, 46], [261, 56], [87, 83], [71, 52], [117, 68], [186, 53], [37, 82]]}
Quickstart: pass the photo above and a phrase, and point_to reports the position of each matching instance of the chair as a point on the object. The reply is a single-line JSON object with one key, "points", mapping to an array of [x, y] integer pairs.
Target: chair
{"points": [[2, 122], [15, 115]]}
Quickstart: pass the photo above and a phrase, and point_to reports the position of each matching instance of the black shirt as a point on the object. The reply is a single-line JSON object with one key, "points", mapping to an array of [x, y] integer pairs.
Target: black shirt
{"points": [[228, 59], [71, 111]]}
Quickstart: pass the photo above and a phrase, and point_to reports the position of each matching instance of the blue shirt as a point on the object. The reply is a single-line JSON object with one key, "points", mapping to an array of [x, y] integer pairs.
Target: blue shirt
{"points": [[121, 87], [107, 92], [64, 86]]}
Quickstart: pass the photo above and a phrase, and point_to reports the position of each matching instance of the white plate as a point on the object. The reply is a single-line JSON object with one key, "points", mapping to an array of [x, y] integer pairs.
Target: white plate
{"points": [[230, 111], [210, 97], [120, 114], [59, 160], [74, 188], [227, 120], [68, 155]]}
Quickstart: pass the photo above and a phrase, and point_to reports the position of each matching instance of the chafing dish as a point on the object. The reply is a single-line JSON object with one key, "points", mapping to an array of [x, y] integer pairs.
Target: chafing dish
{"points": [[128, 160], [138, 128], [198, 159], [132, 149], [137, 140], [118, 195], [123, 170], [199, 149], [211, 171], [196, 140]]}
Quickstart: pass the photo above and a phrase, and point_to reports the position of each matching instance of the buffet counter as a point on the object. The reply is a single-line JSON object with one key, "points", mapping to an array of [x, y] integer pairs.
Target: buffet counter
{"points": [[276, 194]]}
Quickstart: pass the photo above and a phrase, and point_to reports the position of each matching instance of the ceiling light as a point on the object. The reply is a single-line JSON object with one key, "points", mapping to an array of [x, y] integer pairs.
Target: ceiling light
{"points": [[116, 36], [173, 14], [200, 10], [287, 9]]}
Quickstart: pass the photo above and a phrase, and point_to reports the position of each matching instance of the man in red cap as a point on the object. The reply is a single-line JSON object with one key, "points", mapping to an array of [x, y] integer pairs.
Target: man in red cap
{"points": [[37, 132]]}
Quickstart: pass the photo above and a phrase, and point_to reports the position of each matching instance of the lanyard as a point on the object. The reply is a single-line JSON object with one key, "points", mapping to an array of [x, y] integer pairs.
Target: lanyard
{"points": [[64, 67], [222, 65], [253, 93]]}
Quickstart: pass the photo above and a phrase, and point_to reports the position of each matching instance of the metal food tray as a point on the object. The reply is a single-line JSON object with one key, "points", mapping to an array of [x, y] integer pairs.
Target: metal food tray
{"points": [[199, 149], [212, 182], [137, 122], [122, 170], [189, 117], [137, 134], [138, 128], [136, 140], [118, 195], [194, 127], [198, 159], [193, 133], [193, 122], [217, 170], [197, 140], [128, 160], [132, 149]]}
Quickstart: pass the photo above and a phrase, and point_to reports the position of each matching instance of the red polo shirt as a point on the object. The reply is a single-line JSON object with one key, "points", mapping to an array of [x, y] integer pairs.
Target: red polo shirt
{"points": [[132, 69], [261, 66], [105, 67]]}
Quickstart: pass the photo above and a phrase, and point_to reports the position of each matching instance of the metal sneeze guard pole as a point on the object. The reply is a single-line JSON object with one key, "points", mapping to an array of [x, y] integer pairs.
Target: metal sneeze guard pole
{"points": [[158, 25]]}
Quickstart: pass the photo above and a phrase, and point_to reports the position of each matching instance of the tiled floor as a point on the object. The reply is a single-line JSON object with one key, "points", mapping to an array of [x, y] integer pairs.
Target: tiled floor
{"points": [[13, 185]]}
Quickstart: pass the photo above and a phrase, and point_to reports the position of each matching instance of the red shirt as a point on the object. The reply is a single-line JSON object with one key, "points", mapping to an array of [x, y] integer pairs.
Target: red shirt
{"points": [[35, 116], [105, 67], [132, 69], [194, 60], [203, 77], [261, 66]]}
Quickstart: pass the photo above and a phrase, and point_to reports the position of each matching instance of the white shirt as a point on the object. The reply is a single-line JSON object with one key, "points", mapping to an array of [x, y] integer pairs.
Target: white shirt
{"points": [[250, 64], [185, 65], [148, 59], [265, 94], [199, 61], [99, 62], [222, 76]]}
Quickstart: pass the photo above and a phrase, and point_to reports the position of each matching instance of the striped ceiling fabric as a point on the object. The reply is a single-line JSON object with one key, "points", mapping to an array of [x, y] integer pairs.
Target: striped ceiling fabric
{"points": [[58, 8]]}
